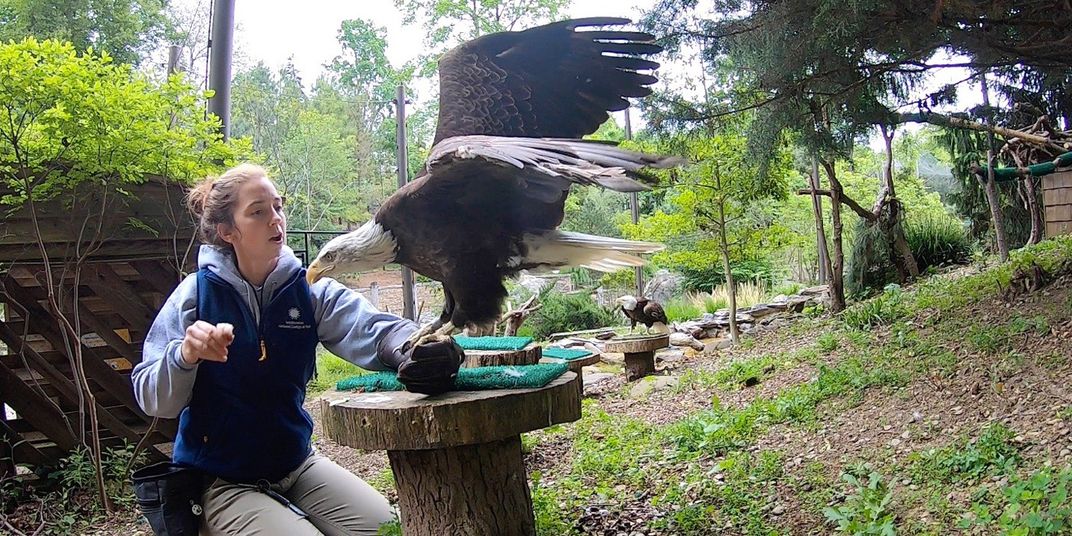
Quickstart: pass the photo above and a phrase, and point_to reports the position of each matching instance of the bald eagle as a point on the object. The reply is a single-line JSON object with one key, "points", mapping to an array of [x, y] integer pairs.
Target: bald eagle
{"points": [[644, 311], [491, 195]]}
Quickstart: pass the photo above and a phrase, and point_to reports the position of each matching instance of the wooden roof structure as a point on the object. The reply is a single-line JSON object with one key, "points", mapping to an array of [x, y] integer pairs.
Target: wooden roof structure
{"points": [[145, 244]]}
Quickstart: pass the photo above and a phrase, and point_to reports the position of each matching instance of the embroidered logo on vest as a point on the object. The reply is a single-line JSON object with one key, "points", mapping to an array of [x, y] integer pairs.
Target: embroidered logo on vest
{"points": [[295, 321]]}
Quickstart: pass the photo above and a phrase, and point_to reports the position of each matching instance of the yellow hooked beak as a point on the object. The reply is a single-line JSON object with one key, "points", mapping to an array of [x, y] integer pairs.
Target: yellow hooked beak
{"points": [[315, 271]]}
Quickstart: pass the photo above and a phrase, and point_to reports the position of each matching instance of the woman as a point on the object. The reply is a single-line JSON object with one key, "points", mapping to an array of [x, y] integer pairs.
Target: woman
{"points": [[230, 354]]}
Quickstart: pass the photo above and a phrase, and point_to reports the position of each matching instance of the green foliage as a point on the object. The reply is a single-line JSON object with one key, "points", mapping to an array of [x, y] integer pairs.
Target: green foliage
{"points": [[680, 309], [881, 310], [937, 239], [126, 30], [720, 196], [1036, 505], [108, 125], [993, 452], [827, 342], [867, 510], [569, 312], [329, 370]]}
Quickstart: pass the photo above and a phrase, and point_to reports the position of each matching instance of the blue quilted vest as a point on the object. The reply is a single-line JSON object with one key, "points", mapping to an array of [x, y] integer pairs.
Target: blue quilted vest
{"points": [[245, 420]]}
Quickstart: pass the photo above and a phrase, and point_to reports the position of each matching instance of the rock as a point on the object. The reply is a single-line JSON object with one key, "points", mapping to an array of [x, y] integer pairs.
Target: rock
{"points": [[778, 510], [651, 384], [532, 283], [663, 286], [906, 435], [612, 358], [593, 378], [672, 355], [683, 339]]}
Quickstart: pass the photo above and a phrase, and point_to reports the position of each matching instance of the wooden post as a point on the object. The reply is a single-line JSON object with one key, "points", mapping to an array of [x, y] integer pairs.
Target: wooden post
{"points": [[639, 354], [456, 457], [634, 211], [408, 309], [374, 294], [992, 197]]}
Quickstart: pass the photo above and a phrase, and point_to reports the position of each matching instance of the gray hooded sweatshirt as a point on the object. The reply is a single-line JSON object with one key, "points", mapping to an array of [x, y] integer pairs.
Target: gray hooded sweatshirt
{"points": [[347, 324]]}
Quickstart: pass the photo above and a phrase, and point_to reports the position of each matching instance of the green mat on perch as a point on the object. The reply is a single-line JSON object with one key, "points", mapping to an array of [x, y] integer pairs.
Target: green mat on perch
{"points": [[492, 343], [569, 354], [469, 379]]}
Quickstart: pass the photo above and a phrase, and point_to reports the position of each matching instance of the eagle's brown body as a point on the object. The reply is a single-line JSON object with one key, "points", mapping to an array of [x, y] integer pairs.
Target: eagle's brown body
{"points": [[513, 107], [646, 312]]}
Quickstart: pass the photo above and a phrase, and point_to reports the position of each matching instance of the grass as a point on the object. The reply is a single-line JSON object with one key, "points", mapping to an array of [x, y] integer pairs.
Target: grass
{"points": [[329, 370], [701, 471], [749, 293]]}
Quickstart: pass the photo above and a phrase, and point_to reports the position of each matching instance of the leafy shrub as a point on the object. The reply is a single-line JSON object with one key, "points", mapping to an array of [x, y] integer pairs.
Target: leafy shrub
{"points": [[993, 452], [745, 270], [937, 239], [866, 511], [1036, 505], [569, 312], [884, 309]]}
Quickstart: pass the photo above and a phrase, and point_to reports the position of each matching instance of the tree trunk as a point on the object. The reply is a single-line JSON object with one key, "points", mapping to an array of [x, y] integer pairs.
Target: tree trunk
{"points": [[837, 274], [1033, 207], [731, 285], [901, 253], [639, 364], [992, 197], [820, 228], [481, 489]]}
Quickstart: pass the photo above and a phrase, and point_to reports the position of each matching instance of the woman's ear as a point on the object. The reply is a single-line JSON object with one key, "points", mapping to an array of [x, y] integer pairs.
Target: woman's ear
{"points": [[227, 232]]}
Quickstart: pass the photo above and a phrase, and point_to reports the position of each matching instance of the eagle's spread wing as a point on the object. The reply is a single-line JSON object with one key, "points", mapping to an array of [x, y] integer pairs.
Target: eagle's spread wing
{"points": [[543, 168], [655, 312], [546, 82]]}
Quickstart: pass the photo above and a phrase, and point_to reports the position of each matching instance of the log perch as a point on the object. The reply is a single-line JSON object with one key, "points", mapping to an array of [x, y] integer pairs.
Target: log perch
{"points": [[456, 457], [639, 354]]}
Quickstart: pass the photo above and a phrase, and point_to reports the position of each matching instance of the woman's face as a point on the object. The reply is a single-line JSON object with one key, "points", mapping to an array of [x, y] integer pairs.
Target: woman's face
{"points": [[260, 227]]}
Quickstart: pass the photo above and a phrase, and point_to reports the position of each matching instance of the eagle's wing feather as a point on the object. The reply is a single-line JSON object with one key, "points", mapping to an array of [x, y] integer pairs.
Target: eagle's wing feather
{"points": [[551, 81], [655, 312], [547, 167]]}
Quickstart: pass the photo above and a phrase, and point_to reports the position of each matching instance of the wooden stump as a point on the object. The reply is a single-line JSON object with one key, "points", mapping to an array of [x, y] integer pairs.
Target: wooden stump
{"points": [[529, 355], [575, 365], [456, 457], [639, 353]]}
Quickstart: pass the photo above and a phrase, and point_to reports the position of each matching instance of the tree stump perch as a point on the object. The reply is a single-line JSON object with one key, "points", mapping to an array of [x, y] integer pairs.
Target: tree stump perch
{"points": [[456, 457], [639, 354], [529, 355], [575, 365]]}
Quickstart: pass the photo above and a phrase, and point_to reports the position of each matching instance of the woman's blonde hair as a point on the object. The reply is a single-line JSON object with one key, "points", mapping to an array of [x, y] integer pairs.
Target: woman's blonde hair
{"points": [[213, 199]]}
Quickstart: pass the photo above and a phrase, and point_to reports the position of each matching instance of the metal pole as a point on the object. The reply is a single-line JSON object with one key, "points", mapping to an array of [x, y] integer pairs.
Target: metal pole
{"points": [[221, 45], [408, 309], [634, 210]]}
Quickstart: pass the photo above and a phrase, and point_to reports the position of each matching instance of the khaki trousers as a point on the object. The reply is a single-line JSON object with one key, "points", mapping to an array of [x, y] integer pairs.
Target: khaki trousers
{"points": [[336, 500]]}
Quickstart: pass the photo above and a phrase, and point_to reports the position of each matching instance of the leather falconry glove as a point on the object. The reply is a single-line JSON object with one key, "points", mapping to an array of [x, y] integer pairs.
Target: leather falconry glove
{"points": [[430, 368]]}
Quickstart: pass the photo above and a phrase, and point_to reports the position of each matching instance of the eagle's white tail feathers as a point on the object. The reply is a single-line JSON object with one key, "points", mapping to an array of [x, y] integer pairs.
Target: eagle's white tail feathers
{"points": [[660, 328], [560, 249]]}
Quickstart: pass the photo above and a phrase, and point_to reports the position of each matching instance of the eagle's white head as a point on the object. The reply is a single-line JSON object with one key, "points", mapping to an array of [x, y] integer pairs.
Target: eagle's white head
{"points": [[627, 302], [368, 247]]}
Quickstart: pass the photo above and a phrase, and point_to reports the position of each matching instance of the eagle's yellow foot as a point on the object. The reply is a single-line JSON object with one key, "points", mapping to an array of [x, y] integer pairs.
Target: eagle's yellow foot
{"points": [[432, 332]]}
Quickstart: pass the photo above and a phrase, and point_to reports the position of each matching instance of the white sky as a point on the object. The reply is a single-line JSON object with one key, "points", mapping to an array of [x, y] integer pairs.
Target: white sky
{"points": [[274, 31]]}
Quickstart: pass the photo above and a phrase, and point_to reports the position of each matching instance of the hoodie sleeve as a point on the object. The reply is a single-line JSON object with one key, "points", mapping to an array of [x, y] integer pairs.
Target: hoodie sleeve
{"points": [[351, 328], [163, 382]]}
